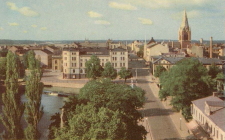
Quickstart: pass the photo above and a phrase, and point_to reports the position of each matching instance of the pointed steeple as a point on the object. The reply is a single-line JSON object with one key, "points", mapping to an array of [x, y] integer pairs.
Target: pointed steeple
{"points": [[184, 24]]}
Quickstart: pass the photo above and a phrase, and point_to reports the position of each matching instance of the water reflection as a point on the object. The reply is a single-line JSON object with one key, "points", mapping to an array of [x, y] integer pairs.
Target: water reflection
{"points": [[52, 105]]}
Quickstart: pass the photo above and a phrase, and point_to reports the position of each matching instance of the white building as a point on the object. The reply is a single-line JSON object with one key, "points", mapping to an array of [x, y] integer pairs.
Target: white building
{"points": [[209, 113]]}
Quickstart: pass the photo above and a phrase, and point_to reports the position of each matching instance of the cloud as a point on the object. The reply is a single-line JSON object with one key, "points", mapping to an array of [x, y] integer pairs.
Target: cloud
{"points": [[26, 11], [34, 25], [104, 22], [1, 28], [24, 31], [43, 28], [194, 14], [145, 21], [156, 4], [13, 24], [94, 14], [122, 6]]}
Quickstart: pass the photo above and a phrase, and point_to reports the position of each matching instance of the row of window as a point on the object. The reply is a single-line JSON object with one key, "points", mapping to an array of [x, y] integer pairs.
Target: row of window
{"points": [[121, 64], [103, 64], [74, 71], [122, 53], [74, 58], [115, 58], [201, 118]]}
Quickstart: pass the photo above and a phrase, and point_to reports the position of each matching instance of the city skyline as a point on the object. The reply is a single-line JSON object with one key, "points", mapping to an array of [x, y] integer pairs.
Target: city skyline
{"points": [[117, 19]]}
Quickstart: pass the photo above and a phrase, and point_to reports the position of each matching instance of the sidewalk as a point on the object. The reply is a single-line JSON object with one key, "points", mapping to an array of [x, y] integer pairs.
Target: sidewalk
{"points": [[176, 117]]}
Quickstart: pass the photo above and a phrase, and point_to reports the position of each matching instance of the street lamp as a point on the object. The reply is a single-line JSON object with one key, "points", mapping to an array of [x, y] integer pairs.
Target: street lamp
{"points": [[136, 75], [180, 123]]}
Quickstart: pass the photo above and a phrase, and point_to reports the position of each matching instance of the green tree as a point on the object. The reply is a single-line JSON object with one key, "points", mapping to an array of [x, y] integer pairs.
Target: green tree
{"points": [[185, 82], [140, 53], [31, 60], [109, 71], [214, 70], [12, 106], [124, 74], [104, 110], [2, 68], [159, 70], [93, 67], [33, 108]]}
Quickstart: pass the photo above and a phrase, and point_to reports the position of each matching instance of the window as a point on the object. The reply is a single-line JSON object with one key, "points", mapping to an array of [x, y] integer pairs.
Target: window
{"points": [[120, 64], [115, 64], [73, 70], [216, 133], [102, 59], [81, 71], [73, 53], [121, 58], [65, 64], [73, 58], [81, 64], [56, 61], [65, 58], [56, 67], [81, 59], [124, 64], [107, 60], [115, 58]]}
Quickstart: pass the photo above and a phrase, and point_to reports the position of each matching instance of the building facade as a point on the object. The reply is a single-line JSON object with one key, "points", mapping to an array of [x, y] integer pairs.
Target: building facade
{"points": [[74, 59], [209, 114]]}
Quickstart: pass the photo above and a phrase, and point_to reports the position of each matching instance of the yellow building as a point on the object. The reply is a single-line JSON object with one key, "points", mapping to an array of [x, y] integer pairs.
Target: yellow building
{"points": [[74, 59]]}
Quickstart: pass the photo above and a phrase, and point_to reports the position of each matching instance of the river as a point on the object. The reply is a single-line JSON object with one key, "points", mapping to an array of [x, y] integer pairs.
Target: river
{"points": [[52, 105]]}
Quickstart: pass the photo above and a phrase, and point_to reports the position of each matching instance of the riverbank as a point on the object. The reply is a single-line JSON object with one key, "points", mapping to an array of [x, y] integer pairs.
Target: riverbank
{"points": [[55, 79]]}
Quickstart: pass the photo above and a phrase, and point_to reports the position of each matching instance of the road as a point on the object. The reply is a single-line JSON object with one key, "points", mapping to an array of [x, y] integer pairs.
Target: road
{"points": [[158, 119]]}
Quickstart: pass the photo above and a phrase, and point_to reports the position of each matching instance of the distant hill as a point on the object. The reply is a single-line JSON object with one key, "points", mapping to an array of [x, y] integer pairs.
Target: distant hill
{"points": [[13, 42]]}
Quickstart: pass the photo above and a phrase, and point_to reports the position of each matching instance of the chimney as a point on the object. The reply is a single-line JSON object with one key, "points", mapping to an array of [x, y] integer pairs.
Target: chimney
{"points": [[215, 94], [201, 41], [210, 47]]}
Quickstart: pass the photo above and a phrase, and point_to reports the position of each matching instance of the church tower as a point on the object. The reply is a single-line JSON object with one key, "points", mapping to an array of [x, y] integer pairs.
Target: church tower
{"points": [[184, 32]]}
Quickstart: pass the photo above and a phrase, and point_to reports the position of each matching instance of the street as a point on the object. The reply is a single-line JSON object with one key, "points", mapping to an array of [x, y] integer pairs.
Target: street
{"points": [[159, 124]]}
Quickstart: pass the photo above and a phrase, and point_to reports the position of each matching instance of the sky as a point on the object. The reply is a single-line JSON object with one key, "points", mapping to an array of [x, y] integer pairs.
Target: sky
{"points": [[110, 19]]}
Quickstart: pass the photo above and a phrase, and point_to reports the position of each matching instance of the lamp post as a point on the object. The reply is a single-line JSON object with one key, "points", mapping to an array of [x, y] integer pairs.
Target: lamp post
{"points": [[180, 123], [136, 74]]}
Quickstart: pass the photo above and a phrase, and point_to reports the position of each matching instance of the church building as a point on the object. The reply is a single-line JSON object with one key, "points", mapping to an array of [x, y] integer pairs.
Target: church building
{"points": [[184, 34]]}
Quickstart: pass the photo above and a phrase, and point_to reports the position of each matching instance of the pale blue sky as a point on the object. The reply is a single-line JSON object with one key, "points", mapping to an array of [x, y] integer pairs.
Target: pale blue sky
{"points": [[104, 19]]}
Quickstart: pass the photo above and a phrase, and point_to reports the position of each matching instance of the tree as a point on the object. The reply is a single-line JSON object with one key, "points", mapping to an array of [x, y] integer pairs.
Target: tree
{"points": [[104, 110], [185, 82], [12, 106], [159, 70], [2, 68], [93, 67], [33, 108], [214, 70], [109, 71], [124, 74], [140, 53], [31, 60]]}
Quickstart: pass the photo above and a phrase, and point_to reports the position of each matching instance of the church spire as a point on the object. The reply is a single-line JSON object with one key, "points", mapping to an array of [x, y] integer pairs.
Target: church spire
{"points": [[184, 24]]}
